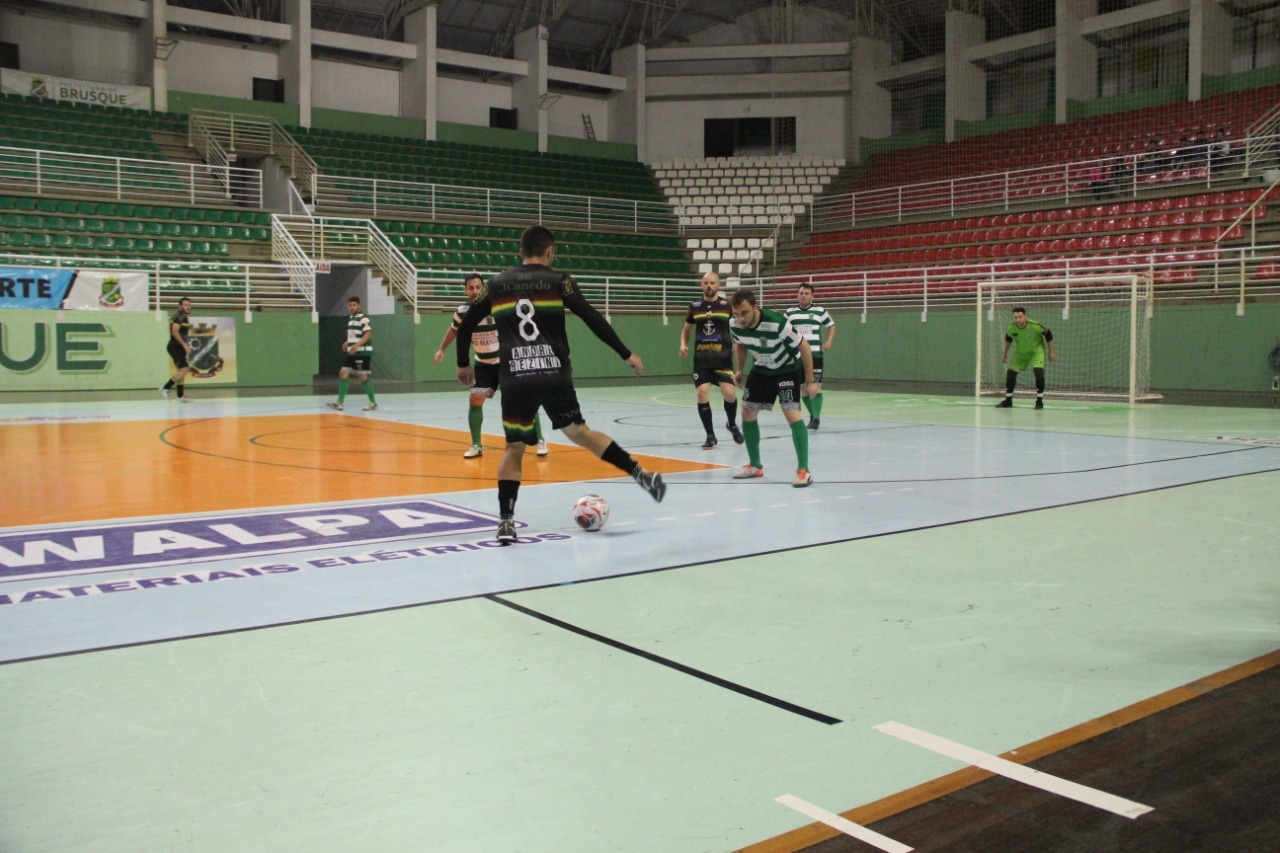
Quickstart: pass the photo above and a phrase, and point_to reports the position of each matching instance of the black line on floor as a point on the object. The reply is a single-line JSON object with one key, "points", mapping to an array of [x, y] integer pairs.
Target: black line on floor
{"points": [[667, 662]]}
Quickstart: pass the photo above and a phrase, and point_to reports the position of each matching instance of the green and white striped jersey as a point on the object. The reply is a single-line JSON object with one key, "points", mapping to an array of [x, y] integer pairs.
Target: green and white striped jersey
{"points": [[774, 343], [357, 325], [810, 323]]}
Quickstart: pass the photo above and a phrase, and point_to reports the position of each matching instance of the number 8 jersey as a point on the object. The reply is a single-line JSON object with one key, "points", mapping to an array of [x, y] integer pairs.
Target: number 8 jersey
{"points": [[528, 303]]}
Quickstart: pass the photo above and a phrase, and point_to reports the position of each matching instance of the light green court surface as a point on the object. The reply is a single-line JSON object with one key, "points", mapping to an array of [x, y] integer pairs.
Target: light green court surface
{"points": [[470, 726]]}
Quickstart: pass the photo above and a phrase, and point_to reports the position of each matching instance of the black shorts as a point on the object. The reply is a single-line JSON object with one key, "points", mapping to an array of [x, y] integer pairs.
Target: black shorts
{"points": [[359, 362], [178, 354], [486, 379], [763, 389], [817, 370], [712, 375], [521, 399]]}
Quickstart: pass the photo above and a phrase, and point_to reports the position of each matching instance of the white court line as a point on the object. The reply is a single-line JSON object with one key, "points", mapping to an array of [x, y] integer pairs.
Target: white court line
{"points": [[1016, 772], [848, 827]]}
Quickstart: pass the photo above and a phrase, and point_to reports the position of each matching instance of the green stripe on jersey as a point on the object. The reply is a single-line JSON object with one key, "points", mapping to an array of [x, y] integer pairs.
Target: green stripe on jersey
{"points": [[774, 343], [810, 322], [356, 327]]}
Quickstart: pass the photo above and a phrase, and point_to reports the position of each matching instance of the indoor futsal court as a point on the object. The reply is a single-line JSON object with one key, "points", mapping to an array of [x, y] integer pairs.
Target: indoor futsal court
{"points": [[250, 624]]}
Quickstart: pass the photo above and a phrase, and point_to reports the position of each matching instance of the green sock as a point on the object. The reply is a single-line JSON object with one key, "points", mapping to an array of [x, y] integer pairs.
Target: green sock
{"points": [[343, 384], [808, 404], [751, 432], [368, 389], [537, 426], [817, 405], [475, 417], [800, 438]]}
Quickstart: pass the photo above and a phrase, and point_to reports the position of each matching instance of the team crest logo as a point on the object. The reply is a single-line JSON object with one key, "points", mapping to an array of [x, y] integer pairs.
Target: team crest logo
{"points": [[111, 297], [709, 328], [205, 361]]}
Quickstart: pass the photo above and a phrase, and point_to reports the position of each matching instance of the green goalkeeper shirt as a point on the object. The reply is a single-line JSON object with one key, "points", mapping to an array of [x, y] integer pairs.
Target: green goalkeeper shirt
{"points": [[1029, 339]]}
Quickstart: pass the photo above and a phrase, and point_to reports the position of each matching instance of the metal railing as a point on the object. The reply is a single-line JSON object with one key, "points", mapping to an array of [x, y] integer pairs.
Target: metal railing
{"points": [[29, 170], [338, 195], [249, 288], [1200, 166], [297, 263], [235, 134], [326, 238], [1262, 149]]}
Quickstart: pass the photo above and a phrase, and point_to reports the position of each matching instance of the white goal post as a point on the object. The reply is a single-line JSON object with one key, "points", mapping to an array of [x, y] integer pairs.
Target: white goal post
{"points": [[1101, 329]]}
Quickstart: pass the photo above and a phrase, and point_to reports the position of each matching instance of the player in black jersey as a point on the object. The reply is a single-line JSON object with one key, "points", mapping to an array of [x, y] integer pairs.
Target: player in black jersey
{"points": [[708, 317], [528, 303], [179, 349]]}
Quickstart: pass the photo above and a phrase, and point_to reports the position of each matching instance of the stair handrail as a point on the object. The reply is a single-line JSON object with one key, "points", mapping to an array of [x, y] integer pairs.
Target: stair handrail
{"points": [[252, 134], [286, 251], [1261, 142]]}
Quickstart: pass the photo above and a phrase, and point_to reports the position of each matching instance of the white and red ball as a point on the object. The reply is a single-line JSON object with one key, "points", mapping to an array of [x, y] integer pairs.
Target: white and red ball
{"points": [[591, 512]]}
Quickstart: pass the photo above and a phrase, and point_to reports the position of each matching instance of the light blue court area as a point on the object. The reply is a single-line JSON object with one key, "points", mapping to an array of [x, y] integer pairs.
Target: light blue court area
{"points": [[988, 576]]}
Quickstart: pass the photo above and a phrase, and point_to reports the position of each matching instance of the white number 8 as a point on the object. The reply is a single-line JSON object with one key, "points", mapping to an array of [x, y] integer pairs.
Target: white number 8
{"points": [[526, 312]]}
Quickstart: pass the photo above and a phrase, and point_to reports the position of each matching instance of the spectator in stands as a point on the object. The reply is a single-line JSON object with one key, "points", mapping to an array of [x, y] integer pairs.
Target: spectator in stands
{"points": [[708, 319], [1219, 150], [1030, 341], [485, 342], [1152, 159], [1099, 179], [1122, 174], [179, 349]]}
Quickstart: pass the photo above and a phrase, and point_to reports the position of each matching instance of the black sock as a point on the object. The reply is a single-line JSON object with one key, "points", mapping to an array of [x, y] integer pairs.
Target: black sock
{"points": [[168, 385], [182, 390], [1010, 382], [507, 492], [704, 412], [1039, 372], [619, 458], [731, 412]]}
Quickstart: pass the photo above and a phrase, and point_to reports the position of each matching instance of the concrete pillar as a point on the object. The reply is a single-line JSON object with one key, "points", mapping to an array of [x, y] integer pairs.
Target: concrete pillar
{"points": [[295, 59], [154, 51], [1076, 59], [966, 84], [626, 108], [529, 92], [870, 104], [419, 89], [1208, 45]]}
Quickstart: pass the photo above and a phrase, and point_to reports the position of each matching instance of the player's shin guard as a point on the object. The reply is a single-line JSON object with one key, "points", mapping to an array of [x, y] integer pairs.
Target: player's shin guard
{"points": [[1039, 372], [475, 417], [343, 385], [800, 438], [508, 490], [751, 430], [704, 413]]}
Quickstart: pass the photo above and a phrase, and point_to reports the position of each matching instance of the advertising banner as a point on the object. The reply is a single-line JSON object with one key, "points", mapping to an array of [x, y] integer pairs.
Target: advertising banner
{"points": [[80, 290], [13, 82]]}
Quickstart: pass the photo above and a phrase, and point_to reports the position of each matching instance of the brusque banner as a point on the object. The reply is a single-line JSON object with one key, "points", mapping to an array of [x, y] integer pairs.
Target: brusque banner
{"points": [[81, 290], [79, 91]]}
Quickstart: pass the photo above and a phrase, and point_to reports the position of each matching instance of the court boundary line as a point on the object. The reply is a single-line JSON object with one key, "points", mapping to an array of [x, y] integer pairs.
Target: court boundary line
{"points": [[935, 789], [641, 572], [684, 669]]}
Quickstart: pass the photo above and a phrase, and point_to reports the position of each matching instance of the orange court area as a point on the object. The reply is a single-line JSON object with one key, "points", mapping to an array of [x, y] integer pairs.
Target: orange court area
{"points": [[65, 472]]}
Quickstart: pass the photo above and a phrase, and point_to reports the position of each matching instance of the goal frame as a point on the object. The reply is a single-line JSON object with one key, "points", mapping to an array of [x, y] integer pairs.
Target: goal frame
{"points": [[1141, 298]]}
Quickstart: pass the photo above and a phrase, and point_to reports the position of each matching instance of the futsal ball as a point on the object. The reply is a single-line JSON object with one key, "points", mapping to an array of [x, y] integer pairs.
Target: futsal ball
{"points": [[591, 512]]}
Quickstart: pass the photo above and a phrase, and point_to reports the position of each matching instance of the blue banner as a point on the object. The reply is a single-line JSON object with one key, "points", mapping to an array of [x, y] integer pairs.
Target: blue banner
{"points": [[31, 288]]}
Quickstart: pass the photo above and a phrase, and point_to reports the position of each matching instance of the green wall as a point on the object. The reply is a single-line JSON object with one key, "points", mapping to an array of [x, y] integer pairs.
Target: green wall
{"points": [[184, 102], [1127, 101], [1241, 80], [97, 351], [1201, 347]]}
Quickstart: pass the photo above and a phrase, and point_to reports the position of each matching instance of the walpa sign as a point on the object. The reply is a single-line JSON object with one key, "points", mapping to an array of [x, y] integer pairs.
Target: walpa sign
{"points": [[14, 82], [83, 550]]}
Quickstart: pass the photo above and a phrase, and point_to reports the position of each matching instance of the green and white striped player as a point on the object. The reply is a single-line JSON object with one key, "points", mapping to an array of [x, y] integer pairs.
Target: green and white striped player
{"points": [[782, 370], [809, 320]]}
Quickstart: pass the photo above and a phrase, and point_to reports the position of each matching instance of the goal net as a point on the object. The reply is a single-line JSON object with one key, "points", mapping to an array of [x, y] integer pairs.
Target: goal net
{"points": [[1101, 329]]}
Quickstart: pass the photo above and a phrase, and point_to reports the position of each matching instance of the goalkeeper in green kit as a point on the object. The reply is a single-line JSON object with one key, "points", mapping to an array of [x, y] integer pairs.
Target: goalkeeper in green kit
{"points": [[1029, 340]]}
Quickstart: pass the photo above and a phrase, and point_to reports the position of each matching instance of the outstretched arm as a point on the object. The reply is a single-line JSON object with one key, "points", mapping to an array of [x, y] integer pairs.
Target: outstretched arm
{"points": [[449, 335]]}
